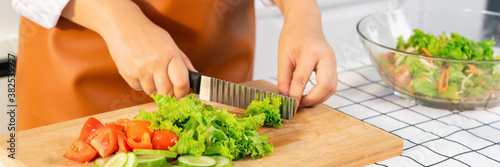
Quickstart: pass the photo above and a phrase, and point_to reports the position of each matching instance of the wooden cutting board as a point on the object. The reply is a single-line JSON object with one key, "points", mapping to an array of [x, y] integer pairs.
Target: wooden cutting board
{"points": [[316, 136]]}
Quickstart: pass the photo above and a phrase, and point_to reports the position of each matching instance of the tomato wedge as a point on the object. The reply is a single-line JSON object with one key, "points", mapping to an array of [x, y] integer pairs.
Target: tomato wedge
{"points": [[114, 126], [137, 128], [122, 144], [123, 122], [145, 142], [103, 140], [163, 139], [80, 151], [90, 126]]}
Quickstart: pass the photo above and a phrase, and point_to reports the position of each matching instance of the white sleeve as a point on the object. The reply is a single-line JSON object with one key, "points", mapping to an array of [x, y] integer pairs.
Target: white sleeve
{"points": [[44, 12], [270, 4]]}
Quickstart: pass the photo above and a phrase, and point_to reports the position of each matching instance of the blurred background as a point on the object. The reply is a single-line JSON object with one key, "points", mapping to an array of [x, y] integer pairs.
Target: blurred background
{"points": [[339, 26]]}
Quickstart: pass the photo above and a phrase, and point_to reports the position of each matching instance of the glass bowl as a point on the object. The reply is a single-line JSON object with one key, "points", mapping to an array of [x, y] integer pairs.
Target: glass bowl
{"points": [[453, 84]]}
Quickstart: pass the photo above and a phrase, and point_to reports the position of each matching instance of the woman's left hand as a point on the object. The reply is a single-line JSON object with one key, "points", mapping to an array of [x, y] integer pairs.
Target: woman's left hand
{"points": [[303, 50]]}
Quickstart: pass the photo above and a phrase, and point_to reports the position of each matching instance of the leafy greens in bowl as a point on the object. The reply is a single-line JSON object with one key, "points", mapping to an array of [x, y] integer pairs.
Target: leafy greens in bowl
{"points": [[443, 71]]}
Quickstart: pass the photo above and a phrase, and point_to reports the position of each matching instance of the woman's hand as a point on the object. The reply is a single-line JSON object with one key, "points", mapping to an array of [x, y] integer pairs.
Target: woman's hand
{"points": [[145, 54], [302, 50], [148, 59]]}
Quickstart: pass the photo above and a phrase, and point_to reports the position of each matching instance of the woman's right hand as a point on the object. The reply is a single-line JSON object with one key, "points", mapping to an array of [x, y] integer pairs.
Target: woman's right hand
{"points": [[145, 54], [148, 59]]}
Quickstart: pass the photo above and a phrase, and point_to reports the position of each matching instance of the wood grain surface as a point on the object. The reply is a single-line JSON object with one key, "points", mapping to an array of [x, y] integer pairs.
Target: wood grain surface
{"points": [[316, 136]]}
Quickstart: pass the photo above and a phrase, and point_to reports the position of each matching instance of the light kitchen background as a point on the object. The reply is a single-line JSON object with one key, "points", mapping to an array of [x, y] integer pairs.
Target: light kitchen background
{"points": [[339, 22]]}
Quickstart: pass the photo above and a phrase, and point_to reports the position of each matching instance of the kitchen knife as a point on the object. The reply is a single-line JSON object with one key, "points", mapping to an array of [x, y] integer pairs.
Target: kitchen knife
{"points": [[236, 95]]}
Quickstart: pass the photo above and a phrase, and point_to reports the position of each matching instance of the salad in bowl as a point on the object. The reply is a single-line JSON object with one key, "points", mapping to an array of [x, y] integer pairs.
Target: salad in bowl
{"points": [[442, 70]]}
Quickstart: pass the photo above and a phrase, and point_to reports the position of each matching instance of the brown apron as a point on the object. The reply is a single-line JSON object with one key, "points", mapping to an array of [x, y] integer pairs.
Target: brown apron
{"points": [[66, 72]]}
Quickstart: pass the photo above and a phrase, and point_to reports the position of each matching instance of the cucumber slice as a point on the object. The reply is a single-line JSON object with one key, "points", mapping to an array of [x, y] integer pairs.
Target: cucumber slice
{"points": [[131, 160], [169, 154], [99, 162], [151, 160], [166, 165], [222, 161], [193, 161], [117, 161]]}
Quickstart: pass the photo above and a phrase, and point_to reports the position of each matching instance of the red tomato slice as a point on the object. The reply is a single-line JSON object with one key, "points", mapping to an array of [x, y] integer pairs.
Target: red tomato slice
{"points": [[80, 151], [145, 142], [123, 122], [137, 128], [90, 126], [104, 141], [114, 126], [122, 144], [163, 139]]}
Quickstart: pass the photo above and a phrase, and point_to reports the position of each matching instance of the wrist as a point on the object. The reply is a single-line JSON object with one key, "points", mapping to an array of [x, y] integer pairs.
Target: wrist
{"points": [[299, 9], [126, 19], [100, 16], [131, 29], [301, 15]]}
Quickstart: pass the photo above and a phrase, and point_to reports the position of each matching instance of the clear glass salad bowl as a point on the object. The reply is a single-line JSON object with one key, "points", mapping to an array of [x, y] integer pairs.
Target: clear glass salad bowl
{"points": [[453, 84]]}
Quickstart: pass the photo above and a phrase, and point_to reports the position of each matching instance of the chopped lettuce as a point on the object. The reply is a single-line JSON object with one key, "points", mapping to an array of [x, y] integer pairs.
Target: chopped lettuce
{"points": [[455, 46], [204, 130], [271, 109]]}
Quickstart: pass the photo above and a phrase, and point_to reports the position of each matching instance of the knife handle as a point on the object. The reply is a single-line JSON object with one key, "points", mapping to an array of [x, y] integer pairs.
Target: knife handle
{"points": [[195, 81]]}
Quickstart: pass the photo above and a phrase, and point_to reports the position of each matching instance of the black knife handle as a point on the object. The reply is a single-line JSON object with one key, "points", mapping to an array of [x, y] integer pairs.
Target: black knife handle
{"points": [[195, 81]]}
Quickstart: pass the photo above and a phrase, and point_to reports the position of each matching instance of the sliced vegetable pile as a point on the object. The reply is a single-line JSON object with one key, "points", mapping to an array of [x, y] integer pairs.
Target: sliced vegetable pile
{"points": [[443, 78], [121, 136], [152, 158], [204, 130], [199, 133]]}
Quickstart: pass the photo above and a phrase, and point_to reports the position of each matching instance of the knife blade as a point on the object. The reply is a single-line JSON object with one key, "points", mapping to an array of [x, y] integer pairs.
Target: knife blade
{"points": [[236, 95]]}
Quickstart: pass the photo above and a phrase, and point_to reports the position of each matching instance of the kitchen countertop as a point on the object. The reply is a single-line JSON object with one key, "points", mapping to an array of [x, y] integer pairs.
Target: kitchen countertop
{"points": [[432, 137]]}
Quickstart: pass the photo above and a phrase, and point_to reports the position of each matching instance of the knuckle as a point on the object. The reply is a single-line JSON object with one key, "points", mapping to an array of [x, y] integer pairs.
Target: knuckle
{"points": [[160, 92], [282, 84], [127, 74], [151, 90], [328, 86], [320, 49], [170, 51], [315, 48], [301, 81], [182, 84], [158, 59], [159, 62], [135, 86], [333, 91], [334, 88], [180, 94]]}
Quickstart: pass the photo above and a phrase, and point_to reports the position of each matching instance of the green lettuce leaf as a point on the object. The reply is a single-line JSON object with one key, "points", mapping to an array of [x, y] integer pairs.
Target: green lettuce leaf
{"points": [[204, 130], [270, 107], [455, 46]]}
